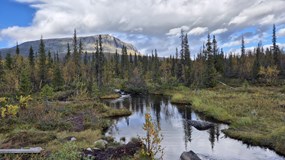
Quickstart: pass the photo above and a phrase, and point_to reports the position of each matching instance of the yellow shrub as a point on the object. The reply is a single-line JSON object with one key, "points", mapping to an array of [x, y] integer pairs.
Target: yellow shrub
{"points": [[23, 102], [9, 110]]}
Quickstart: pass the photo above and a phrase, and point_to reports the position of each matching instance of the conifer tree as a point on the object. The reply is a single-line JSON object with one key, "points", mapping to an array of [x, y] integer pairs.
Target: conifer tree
{"points": [[276, 51], [1, 69], [136, 59], [42, 63], [25, 82], [257, 62], [17, 49], [57, 80], [68, 54], [85, 58], [242, 59], [116, 59], [31, 57], [49, 60], [187, 64], [8, 61], [211, 75]]}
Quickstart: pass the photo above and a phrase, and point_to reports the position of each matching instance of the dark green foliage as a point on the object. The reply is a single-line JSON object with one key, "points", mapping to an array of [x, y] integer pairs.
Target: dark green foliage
{"points": [[257, 62], [25, 82], [68, 54], [31, 57], [276, 51], [58, 80], [99, 62], [2, 69], [9, 61], [17, 49], [210, 73], [42, 63]]}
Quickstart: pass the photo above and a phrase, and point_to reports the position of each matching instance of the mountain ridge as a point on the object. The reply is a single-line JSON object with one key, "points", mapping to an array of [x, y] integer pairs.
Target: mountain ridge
{"points": [[59, 45]]}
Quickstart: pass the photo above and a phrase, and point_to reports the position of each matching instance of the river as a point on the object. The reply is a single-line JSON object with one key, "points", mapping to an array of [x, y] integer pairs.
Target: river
{"points": [[178, 136]]}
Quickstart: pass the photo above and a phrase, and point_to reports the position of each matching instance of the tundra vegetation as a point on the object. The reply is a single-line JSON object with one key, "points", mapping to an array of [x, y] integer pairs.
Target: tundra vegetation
{"points": [[46, 98]]}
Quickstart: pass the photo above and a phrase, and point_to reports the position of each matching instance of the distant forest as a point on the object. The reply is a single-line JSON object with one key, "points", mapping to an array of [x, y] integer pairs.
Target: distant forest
{"points": [[94, 72]]}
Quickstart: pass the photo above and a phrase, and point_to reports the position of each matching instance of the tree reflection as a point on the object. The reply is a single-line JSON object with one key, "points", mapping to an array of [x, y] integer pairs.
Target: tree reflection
{"points": [[212, 133], [186, 115]]}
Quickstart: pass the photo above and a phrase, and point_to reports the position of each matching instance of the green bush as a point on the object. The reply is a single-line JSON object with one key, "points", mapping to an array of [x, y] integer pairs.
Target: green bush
{"points": [[68, 151]]}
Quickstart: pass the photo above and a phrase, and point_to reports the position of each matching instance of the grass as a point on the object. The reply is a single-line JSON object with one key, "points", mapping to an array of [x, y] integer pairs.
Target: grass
{"points": [[254, 114], [49, 126], [110, 96]]}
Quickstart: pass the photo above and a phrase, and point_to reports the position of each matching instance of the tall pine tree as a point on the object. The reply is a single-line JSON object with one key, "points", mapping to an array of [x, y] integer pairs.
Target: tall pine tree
{"points": [[42, 63]]}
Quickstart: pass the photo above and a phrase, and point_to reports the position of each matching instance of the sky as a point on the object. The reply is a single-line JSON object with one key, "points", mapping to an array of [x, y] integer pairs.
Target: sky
{"points": [[147, 24]]}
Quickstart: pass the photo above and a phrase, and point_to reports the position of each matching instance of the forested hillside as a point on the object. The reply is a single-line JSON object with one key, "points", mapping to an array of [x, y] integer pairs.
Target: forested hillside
{"points": [[89, 72]]}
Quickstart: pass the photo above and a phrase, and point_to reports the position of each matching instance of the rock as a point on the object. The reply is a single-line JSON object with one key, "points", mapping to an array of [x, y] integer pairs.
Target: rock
{"points": [[89, 149], [200, 125], [72, 139], [129, 149], [189, 156]]}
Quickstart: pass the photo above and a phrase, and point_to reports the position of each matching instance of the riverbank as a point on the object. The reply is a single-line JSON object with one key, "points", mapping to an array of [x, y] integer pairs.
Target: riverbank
{"points": [[256, 115], [61, 128]]}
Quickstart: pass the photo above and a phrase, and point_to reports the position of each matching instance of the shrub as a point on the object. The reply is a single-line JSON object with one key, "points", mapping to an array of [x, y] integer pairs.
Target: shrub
{"points": [[68, 151], [152, 140]]}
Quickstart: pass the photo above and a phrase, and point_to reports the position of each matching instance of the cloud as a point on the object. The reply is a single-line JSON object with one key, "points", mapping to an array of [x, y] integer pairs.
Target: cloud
{"points": [[219, 31], [177, 31], [281, 32], [198, 31], [151, 23]]}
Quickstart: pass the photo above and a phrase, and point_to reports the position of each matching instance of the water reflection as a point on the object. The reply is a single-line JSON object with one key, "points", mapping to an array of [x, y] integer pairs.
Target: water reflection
{"points": [[178, 135]]}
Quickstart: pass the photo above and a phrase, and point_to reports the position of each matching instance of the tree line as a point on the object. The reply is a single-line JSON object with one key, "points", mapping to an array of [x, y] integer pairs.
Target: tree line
{"points": [[89, 72]]}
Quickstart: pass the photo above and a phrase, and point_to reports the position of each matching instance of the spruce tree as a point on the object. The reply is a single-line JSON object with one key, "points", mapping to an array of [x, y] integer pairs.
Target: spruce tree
{"points": [[25, 82], [257, 62], [1, 69], [8, 61], [85, 58], [68, 54], [58, 80], [242, 59], [276, 51], [117, 61], [31, 57], [49, 60], [76, 55], [42, 63], [17, 49], [136, 59], [187, 65], [211, 75]]}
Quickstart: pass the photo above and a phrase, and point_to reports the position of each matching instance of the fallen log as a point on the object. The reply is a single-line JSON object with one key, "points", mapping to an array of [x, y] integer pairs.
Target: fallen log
{"points": [[21, 151]]}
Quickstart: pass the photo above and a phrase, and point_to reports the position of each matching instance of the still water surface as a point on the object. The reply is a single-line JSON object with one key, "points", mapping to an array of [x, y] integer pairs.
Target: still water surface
{"points": [[178, 136]]}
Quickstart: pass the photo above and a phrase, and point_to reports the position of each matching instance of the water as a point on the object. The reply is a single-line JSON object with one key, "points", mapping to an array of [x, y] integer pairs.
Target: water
{"points": [[178, 136]]}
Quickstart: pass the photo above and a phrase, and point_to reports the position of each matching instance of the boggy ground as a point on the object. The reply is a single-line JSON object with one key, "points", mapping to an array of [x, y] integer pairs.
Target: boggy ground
{"points": [[256, 115], [51, 124]]}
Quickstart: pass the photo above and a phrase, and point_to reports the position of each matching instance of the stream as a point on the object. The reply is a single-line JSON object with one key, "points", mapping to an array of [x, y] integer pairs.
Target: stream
{"points": [[178, 136]]}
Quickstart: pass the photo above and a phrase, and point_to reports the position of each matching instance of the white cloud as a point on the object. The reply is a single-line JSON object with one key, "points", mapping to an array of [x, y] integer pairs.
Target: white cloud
{"points": [[219, 31], [155, 19], [281, 32], [198, 31], [177, 31]]}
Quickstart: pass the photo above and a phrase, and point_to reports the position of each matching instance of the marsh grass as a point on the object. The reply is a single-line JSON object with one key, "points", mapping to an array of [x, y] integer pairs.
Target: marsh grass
{"points": [[255, 114]]}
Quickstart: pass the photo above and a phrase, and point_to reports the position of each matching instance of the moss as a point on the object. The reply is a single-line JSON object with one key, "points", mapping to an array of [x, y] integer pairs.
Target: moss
{"points": [[179, 98]]}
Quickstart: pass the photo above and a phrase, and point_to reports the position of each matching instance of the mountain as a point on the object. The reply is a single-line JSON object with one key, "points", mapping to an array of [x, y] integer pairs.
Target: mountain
{"points": [[109, 43]]}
